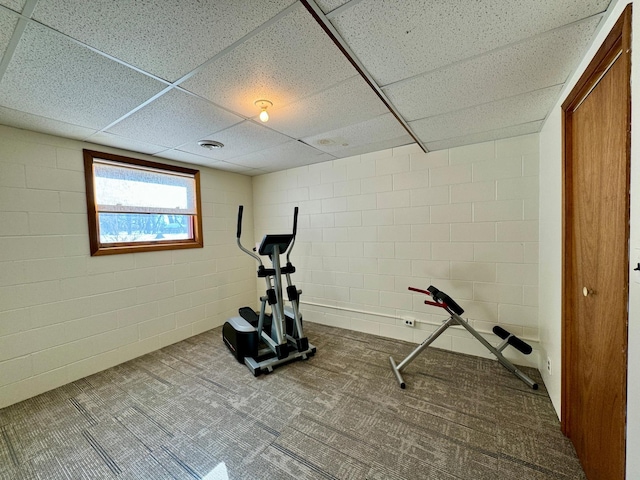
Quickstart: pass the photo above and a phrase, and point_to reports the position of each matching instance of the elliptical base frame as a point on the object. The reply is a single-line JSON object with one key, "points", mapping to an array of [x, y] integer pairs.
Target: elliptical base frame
{"points": [[267, 365]]}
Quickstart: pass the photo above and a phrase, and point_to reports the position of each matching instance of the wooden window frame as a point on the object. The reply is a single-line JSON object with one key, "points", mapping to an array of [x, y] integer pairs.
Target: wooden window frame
{"points": [[98, 248]]}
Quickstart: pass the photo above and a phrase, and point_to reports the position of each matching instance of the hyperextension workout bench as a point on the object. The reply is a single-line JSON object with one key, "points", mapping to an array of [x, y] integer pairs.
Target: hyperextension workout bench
{"points": [[442, 300]]}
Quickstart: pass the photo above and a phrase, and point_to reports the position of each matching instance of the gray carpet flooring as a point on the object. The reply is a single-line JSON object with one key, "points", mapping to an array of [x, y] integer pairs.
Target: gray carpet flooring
{"points": [[183, 411]]}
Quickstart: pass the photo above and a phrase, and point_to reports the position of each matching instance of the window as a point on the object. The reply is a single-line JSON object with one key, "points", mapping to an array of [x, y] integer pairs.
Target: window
{"points": [[136, 205]]}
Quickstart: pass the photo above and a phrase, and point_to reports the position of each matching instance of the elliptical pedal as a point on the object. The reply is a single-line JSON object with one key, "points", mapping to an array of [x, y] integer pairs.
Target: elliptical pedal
{"points": [[249, 315]]}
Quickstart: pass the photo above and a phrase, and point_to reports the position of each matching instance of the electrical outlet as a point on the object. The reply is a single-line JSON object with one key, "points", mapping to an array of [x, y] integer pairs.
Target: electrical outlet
{"points": [[548, 365], [409, 322]]}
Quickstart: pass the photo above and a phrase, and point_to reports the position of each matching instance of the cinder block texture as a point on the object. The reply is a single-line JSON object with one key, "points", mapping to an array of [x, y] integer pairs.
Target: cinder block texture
{"points": [[65, 314], [463, 219]]}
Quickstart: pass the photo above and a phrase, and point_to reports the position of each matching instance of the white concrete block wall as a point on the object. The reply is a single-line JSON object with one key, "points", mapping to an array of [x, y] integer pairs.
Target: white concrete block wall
{"points": [[464, 220], [65, 314]]}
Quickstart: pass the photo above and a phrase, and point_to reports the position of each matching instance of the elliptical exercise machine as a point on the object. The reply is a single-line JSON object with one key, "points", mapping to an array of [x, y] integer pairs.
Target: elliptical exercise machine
{"points": [[444, 301], [263, 341]]}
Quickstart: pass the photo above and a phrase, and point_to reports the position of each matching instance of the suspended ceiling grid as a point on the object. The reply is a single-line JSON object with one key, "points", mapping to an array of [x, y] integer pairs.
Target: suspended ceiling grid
{"points": [[158, 76]]}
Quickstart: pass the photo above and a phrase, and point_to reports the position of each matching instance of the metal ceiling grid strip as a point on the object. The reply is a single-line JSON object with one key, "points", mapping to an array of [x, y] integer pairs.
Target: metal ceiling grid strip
{"points": [[128, 114], [495, 50], [328, 27], [492, 134], [313, 94], [341, 8], [524, 108], [237, 43], [484, 104], [196, 70], [25, 16]]}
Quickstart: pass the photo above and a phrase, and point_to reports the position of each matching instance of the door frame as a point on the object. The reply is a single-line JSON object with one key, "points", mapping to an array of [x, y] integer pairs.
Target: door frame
{"points": [[617, 45]]}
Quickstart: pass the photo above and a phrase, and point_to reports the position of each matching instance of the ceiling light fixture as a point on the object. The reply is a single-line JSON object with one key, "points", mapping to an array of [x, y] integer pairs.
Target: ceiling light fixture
{"points": [[210, 144], [263, 105]]}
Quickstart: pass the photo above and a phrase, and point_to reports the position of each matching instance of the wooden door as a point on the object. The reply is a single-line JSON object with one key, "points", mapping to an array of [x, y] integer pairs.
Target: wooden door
{"points": [[596, 256]]}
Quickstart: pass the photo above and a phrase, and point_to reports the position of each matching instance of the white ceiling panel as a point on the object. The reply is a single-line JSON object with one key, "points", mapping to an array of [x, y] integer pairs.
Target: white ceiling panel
{"points": [[104, 138], [374, 146], [414, 36], [329, 5], [8, 22], [506, 132], [51, 76], [287, 155], [189, 158], [328, 110], [540, 62], [526, 108], [156, 76], [288, 60], [233, 168], [174, 119], [383, 127], [234, 140], [166, 38], [27, 121], [15, 5]]}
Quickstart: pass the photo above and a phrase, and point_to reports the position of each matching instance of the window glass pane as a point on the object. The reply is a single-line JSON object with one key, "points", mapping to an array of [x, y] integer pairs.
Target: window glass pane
{"points": [[125, 189], [136, 205], [125, 228]]}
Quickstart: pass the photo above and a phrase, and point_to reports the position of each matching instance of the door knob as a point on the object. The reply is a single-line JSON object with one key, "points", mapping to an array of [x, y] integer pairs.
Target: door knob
{"points": [[586, 292]]}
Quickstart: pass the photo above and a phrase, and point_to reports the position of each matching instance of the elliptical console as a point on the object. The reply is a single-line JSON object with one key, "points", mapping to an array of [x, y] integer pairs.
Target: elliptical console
{"points": [[262, 340]]}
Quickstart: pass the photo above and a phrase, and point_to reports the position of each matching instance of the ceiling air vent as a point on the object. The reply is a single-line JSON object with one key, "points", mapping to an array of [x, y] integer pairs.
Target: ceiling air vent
{"points": [[210, 144]]}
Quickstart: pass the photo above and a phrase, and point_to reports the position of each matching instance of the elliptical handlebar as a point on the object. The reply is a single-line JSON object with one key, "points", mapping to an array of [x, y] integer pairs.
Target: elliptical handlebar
{"points": [[295, 221], [238, 232], [295, 229], [253, 254]]}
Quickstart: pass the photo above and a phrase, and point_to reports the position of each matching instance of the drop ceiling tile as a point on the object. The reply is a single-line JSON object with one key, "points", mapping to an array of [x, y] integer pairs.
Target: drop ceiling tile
{"points": [[254, 172], [173, 119], [188, 158], [507, 132], [284, 156], [8, 22], [412, 37], [252, 160], [536, 63], [230, 167], [104, 138], [241, 139], [276, 163], [290, 59], [374, 146], [27, 121], [204, 162], [526, 108], [15, 5], [383, 127], [168, 39], [329, 5], [53, 77], [352, 101]]}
